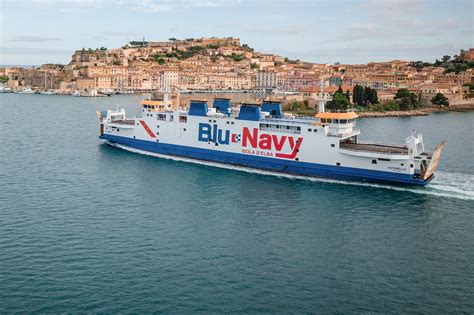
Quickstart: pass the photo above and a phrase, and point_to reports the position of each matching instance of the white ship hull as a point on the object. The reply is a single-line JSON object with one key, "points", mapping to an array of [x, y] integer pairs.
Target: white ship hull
{"points": [[299, 147]]}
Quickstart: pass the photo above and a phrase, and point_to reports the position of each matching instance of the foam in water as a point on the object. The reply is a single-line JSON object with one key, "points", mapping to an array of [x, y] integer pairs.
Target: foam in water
{"points": [[449, 185]]}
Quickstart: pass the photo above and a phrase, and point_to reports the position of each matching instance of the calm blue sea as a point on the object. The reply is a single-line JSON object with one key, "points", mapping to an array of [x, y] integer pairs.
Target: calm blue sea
{"points": [[85, 227]]}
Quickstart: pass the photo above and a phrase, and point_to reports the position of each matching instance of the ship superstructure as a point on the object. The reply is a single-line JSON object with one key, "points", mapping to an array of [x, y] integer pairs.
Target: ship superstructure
{"points": [[261, 136]]}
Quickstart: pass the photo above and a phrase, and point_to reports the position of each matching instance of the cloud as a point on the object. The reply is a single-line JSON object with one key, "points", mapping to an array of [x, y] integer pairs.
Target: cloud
{"points": [[106, 35], [374, 52], [357, 31], [34, 51], [34, 39], [395, 8], [448, 24], [267, 30], [135, 5]]}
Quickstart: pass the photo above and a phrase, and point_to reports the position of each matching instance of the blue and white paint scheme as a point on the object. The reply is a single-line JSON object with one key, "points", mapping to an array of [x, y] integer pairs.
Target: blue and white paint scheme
{"points": [[261, 136]]}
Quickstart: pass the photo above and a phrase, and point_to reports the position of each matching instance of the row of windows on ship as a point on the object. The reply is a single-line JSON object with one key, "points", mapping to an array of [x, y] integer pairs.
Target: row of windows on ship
{"points": [[336, 121], [262, 126]]}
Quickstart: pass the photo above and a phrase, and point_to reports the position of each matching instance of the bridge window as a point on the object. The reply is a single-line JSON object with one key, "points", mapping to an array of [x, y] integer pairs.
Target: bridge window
{"points": [[161, 117], [374, 161]]}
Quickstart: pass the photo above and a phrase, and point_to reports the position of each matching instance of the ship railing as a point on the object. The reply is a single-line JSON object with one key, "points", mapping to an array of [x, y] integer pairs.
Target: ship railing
{"points": [[290, 121], [345, 135], [372, 151], [387, 144]]}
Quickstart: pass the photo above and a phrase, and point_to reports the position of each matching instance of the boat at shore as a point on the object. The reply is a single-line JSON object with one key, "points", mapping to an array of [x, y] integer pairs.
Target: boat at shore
{"points": [[261, 136], [26, 91], [47, 92], [5, 90]]}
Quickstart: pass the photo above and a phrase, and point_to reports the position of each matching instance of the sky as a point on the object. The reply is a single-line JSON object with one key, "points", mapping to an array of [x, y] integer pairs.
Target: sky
{"points": [[34, 32]]}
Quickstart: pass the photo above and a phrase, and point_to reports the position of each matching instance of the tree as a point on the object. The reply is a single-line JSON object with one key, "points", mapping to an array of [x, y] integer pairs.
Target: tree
{"points": [[237, 57], [369, 96], [339, 90], [374, 99], [446, 58], [440, 100], [407, 100], [348, 95], [306, 104], [339, 102], [402, 93], [172, 39], [357, 95]]}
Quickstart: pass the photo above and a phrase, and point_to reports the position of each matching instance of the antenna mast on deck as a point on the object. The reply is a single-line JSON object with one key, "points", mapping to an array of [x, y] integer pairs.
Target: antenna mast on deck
{"points": [[321, 100]]}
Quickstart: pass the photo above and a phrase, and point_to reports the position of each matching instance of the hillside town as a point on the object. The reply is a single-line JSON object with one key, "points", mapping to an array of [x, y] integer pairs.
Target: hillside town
{"points": [[224, 64]]}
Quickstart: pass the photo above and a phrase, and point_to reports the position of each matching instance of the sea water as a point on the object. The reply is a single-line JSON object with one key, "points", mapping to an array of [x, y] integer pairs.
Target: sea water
{"points": [[87, 227]]}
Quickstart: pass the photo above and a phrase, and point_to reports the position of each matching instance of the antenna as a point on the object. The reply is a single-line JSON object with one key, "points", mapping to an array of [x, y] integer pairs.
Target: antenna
{"points": [[321, 97]]}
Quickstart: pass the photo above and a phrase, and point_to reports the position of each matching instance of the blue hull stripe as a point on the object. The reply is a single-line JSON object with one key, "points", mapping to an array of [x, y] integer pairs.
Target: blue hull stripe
{"points": [[269, 164]]}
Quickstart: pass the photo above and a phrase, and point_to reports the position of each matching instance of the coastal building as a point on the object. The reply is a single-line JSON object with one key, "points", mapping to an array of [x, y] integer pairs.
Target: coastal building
{"points": [[85, 83], [266, 80]]}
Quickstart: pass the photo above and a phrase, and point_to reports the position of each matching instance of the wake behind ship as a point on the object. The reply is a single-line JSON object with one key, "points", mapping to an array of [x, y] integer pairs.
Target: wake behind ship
{"points": [[261, 136]]}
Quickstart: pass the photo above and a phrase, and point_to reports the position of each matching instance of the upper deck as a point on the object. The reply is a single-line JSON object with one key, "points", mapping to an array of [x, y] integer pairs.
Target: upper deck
{"points": [[268, 114]]}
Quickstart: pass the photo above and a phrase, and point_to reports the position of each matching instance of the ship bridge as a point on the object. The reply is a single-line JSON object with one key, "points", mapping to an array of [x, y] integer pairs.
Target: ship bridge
{"points": [[339, 124]]}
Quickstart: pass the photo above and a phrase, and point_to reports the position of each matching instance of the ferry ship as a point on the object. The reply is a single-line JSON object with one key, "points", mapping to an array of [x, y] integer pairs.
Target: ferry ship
{"points": [[261, 136]]}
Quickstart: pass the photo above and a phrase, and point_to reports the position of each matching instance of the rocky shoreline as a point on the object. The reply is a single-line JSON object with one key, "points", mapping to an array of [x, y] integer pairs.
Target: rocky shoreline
{"points": [[418, 112]]}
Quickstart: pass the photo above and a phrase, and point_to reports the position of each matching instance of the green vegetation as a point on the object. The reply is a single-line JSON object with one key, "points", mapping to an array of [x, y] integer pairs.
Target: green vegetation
{"points": [[178, 54], [286, 59], [138, 43], [254, 66], [172, 39], [4, 79], [196, 48], [364, 96], [247, 47], [158, 58], [470, 85], [404, 101], [382, 107], [440, 100], [453, 64], [407, 100], [210, 46], [300, 108], [339, 102], [236, 57]]}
